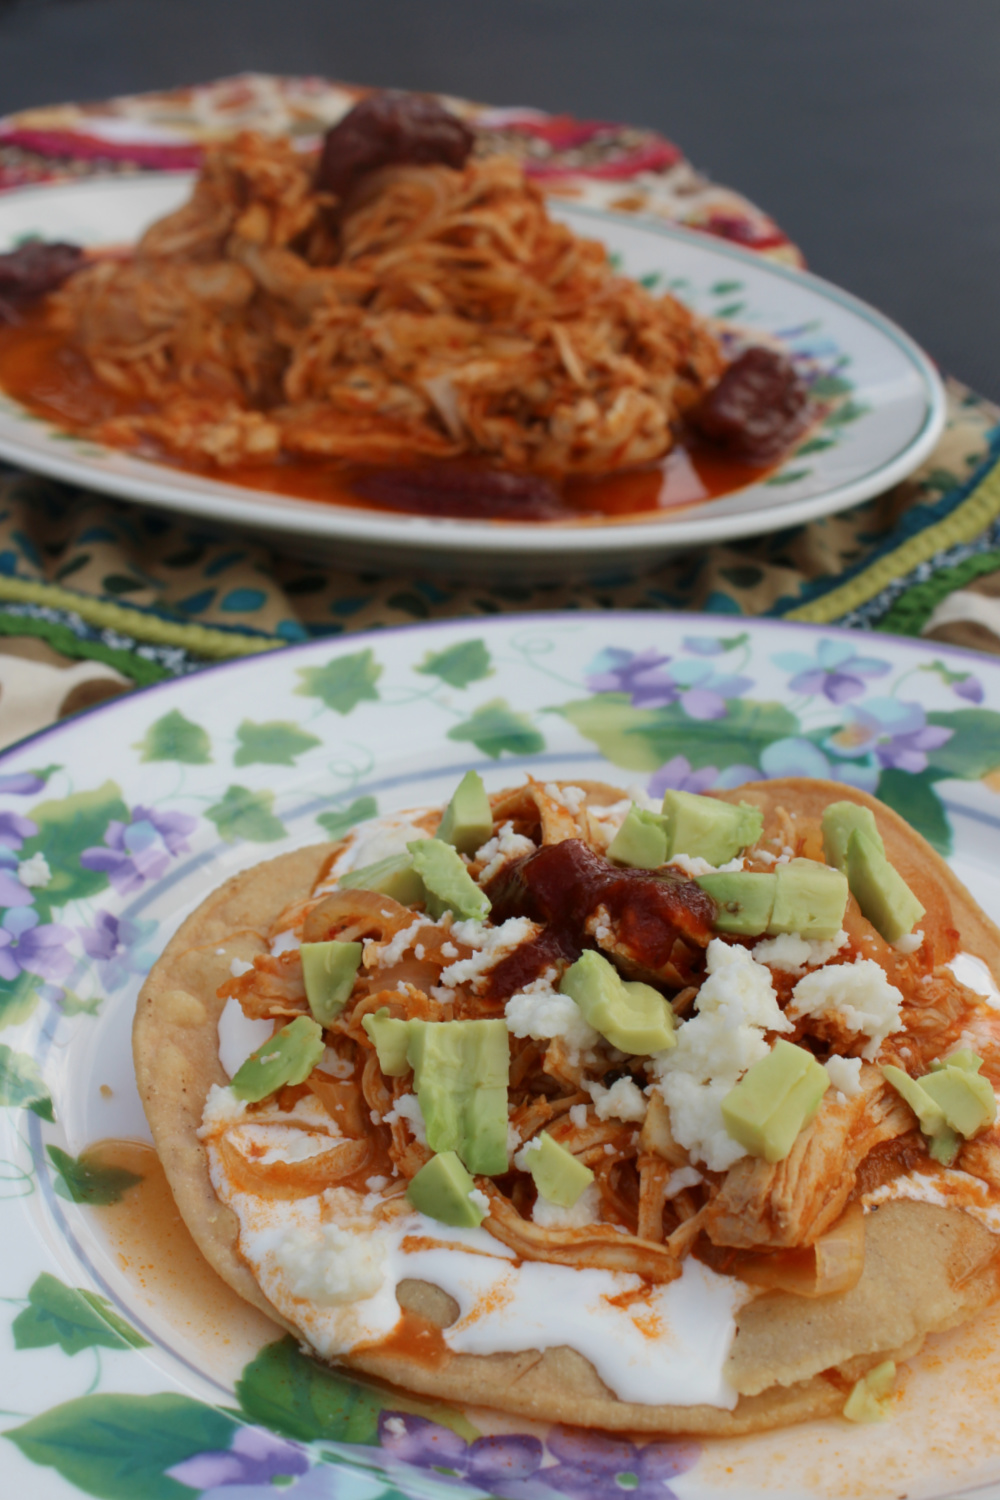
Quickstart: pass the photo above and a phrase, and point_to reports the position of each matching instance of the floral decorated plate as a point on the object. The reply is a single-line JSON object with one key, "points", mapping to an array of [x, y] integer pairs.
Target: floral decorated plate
{"points": [[881, 405], [127, 1370]]}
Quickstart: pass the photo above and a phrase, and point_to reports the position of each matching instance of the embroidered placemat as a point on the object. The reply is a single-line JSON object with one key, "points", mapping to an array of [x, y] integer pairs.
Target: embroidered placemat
{"points": [[96, 596]]}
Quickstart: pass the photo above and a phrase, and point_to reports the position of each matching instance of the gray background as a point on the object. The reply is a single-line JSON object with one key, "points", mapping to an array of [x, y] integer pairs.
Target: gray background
{"points": [[870, 129]]}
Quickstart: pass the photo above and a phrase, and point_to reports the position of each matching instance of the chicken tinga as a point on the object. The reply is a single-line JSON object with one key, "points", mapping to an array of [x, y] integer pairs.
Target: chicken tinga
{"points": [[663, 1118], [395, 306]]}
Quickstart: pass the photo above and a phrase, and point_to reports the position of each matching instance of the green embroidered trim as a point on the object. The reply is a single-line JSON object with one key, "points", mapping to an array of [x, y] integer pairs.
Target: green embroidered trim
{"points": [[200, 639], [965, 523], [61, 638], [912, 610]]}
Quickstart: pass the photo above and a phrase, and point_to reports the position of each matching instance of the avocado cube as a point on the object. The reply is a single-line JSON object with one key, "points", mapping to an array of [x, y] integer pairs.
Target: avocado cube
{"points": [[774, 1100], [944, 1146], [391, 1037], [468, 819], [840, 820], [631, 1016], [448, 884], [879, 889], [964, 1058], [705, 827], [460, 1074], [329, 970], [393, 876], [809, 898], [558, 1175], [869, 1398], [967, 1099], [928, 1112], [744, 900], [641, 841], [441, 1191], [289, 1057]]}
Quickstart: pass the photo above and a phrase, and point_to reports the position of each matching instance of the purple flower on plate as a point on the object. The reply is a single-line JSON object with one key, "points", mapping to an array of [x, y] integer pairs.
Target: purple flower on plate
{"points": [[114, 942], [14, 830], [678, 775], [592, 1466], [968, 687], [896, 734], [139, 850], [38, 947], [25, 783], [507, 1465], [835, 670], [794, 756], [255, 1457], [701, 693]]}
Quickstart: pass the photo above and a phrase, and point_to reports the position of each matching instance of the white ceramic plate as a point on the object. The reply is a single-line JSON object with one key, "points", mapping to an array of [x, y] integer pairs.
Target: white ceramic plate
{"points": [[124, 1372], [886, 411]]}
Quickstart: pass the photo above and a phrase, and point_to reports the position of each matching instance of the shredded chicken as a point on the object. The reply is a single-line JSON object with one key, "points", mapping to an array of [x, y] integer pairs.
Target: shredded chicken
{"points": [[437, 313]]}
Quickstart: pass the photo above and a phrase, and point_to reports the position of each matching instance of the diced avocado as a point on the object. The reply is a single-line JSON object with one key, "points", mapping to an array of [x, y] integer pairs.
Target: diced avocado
{"points": [[393, 876], [928, 1112], [558, 1175], [839, 821], [944, 1147], [964, 1058], [809, 898], [289, 1057], [881, 892], [967, 1099], [441, 1191], [869, 1398], [391, 1037], [632, 1016], [460, 1073], [448, 884], [468, 819], [744, 900], [329, 970], [774, 1101], [641, 841], [713, 830]]}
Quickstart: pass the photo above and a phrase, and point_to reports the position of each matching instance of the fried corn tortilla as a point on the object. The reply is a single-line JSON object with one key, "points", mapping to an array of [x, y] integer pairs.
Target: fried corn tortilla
{"points": [[926, 1268]]}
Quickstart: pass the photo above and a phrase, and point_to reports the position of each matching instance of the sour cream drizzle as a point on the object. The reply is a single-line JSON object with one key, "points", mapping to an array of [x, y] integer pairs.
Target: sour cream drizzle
{"points": [[670, 1345]]}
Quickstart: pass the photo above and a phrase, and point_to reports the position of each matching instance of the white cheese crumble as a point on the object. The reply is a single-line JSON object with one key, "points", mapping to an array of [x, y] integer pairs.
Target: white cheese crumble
{"points": [[571, 798], [622, 1101], [735, 1006], [490, 945], [845, 1075], [284, 943], [539, 1011], [329, 1265], [793, 953], [391, 952], [238, 967], [578, 1116], [909, 942], [586, 1210], [513, 1138], [34, 872], [858, 994], [500, 850], [683, 1177], [222, 1109], [521, 1159], [407, 1107], [479, 1198]]}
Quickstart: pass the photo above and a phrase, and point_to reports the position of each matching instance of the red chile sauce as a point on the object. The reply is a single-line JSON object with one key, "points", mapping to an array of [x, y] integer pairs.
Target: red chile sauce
{"points": [[39, 369], [657, 918]]}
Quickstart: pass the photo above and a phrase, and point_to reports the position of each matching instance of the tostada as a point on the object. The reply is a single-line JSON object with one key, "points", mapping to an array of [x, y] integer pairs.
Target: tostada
{"points": [[663, 1118]]}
